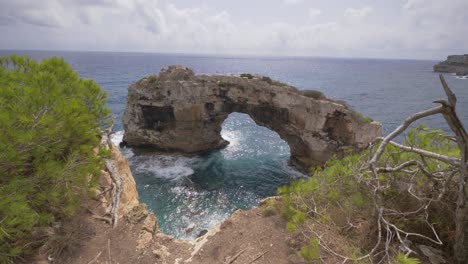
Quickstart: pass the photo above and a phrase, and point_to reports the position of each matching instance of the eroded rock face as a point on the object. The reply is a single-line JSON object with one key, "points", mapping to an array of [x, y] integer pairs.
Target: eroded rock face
{"points": [[181, 111], [454, 64]]}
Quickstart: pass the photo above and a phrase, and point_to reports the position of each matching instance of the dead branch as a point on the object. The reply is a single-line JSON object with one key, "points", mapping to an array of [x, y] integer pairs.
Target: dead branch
{"points": [[461, 213], [230, 260], [95, 258], [118, 191], [259, 256], [98, 217], [109, 251], [402, 128], [447, 159], [447, 109], [104, 191], [117, 182]]}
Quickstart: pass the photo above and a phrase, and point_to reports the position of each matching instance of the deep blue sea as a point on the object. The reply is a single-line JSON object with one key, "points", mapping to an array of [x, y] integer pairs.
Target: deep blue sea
{"points": [[189, 194]]}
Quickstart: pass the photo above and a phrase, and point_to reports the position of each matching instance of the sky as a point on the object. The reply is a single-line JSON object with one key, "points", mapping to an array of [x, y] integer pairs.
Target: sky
{"points": [[418, 29]]}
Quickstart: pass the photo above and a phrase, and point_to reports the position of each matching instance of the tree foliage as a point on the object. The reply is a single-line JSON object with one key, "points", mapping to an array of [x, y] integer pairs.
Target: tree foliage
{"points": [[49, 126]]}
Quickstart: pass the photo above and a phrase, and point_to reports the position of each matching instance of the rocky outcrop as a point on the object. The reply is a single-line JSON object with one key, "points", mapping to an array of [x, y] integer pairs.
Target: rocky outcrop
{"points": [[129, 195], [181, 111], [454, 64]]}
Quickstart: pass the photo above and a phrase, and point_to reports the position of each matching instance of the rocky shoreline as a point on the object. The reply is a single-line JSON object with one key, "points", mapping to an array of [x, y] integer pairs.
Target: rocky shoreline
{"points": [[245, 236], [457, 64]]}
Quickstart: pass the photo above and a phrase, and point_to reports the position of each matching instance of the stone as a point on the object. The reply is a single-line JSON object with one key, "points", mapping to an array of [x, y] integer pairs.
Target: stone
{"points": [[144, 240], [150, 224], [181, 111], [202, 233], [137, 214], [190, 228]]}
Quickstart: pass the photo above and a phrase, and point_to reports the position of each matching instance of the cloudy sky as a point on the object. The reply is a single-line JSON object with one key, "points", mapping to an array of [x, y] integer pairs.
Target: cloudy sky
{"points": [[427, 29]]}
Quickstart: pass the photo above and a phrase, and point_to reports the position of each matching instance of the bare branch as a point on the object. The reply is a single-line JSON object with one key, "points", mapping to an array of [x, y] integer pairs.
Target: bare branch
{"points": [[450, 95], [447, 159], [401, 128]]}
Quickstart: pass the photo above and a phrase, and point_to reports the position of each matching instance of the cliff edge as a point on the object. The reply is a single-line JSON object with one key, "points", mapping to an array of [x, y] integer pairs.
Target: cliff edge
{"points": [[252, 236], [457, 64]]}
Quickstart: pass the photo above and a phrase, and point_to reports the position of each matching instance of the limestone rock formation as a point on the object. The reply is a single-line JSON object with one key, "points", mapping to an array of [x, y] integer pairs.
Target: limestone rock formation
{"points": [[454, 64], [129, 195], [180, 111]]}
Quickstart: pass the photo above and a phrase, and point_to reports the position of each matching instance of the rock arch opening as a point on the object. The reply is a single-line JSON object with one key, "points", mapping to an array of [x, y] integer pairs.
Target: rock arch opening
{"points": [[249, 140]]}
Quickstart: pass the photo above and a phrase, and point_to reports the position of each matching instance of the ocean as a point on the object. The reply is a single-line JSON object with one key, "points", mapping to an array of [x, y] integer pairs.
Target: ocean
{"points": [[191, 193]]}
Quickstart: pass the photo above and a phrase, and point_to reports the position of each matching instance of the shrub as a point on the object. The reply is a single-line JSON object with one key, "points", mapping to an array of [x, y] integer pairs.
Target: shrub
{"points": [[49, 123], [341, 196], [311, 252], [247, 75], [270, 208], [267, 79], [273, 82], [313, 94]]}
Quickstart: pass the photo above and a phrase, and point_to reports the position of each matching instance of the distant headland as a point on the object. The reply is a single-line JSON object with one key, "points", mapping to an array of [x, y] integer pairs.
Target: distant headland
{"points": [[454, 64]]}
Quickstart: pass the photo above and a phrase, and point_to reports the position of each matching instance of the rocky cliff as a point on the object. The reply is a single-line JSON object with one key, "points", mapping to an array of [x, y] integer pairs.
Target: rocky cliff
{"points": [[454, 64], [245, 237], [178, 110]]}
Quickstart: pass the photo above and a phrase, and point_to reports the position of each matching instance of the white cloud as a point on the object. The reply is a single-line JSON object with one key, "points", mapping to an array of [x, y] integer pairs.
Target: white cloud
{"points": [[359, 13], [292, 2], [313, 13], [421, 28]]}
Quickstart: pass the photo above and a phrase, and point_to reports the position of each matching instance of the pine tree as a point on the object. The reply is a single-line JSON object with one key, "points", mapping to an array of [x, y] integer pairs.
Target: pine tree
{"points": [[50, 123]]}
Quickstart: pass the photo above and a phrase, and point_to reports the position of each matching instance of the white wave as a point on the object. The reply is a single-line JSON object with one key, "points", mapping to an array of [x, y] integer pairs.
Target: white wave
{"points": [[233, 136], [232, 151], [117, 137], [293, 172], [462, 77], [164, 166]]}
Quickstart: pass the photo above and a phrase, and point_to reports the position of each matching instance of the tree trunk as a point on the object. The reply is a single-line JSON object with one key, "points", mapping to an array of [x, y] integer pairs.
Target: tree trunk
{"points": [[461, 213]]}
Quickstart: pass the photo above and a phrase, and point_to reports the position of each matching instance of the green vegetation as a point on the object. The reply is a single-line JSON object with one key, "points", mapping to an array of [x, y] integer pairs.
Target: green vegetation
{"points": [[311, 252], [270, 208], [49, 123], [402, 259], [273, 82], [247, 75], [359, 116], [345, 199], [313, 94]]}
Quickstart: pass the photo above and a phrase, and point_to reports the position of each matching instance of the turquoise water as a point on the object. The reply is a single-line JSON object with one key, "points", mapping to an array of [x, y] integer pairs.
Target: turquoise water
{"points": [[201, 191], [198, 192]]}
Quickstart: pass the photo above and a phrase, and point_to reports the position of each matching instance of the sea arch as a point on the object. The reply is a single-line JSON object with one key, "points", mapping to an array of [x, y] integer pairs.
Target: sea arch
{"points": [[180, 111]]}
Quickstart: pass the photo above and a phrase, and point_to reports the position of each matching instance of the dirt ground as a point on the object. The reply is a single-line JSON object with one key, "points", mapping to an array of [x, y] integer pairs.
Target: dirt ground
{"points": [[249, 237], [245, 237]]}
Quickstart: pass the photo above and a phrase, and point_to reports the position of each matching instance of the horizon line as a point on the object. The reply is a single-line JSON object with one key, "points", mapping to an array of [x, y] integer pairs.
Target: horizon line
{"points": [[219, 55]]}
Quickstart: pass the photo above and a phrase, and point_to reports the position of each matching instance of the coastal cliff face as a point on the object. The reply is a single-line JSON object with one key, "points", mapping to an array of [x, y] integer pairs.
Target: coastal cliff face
{"points": [[129, 195], [137, 239], [181, 111], [454, 64]]}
